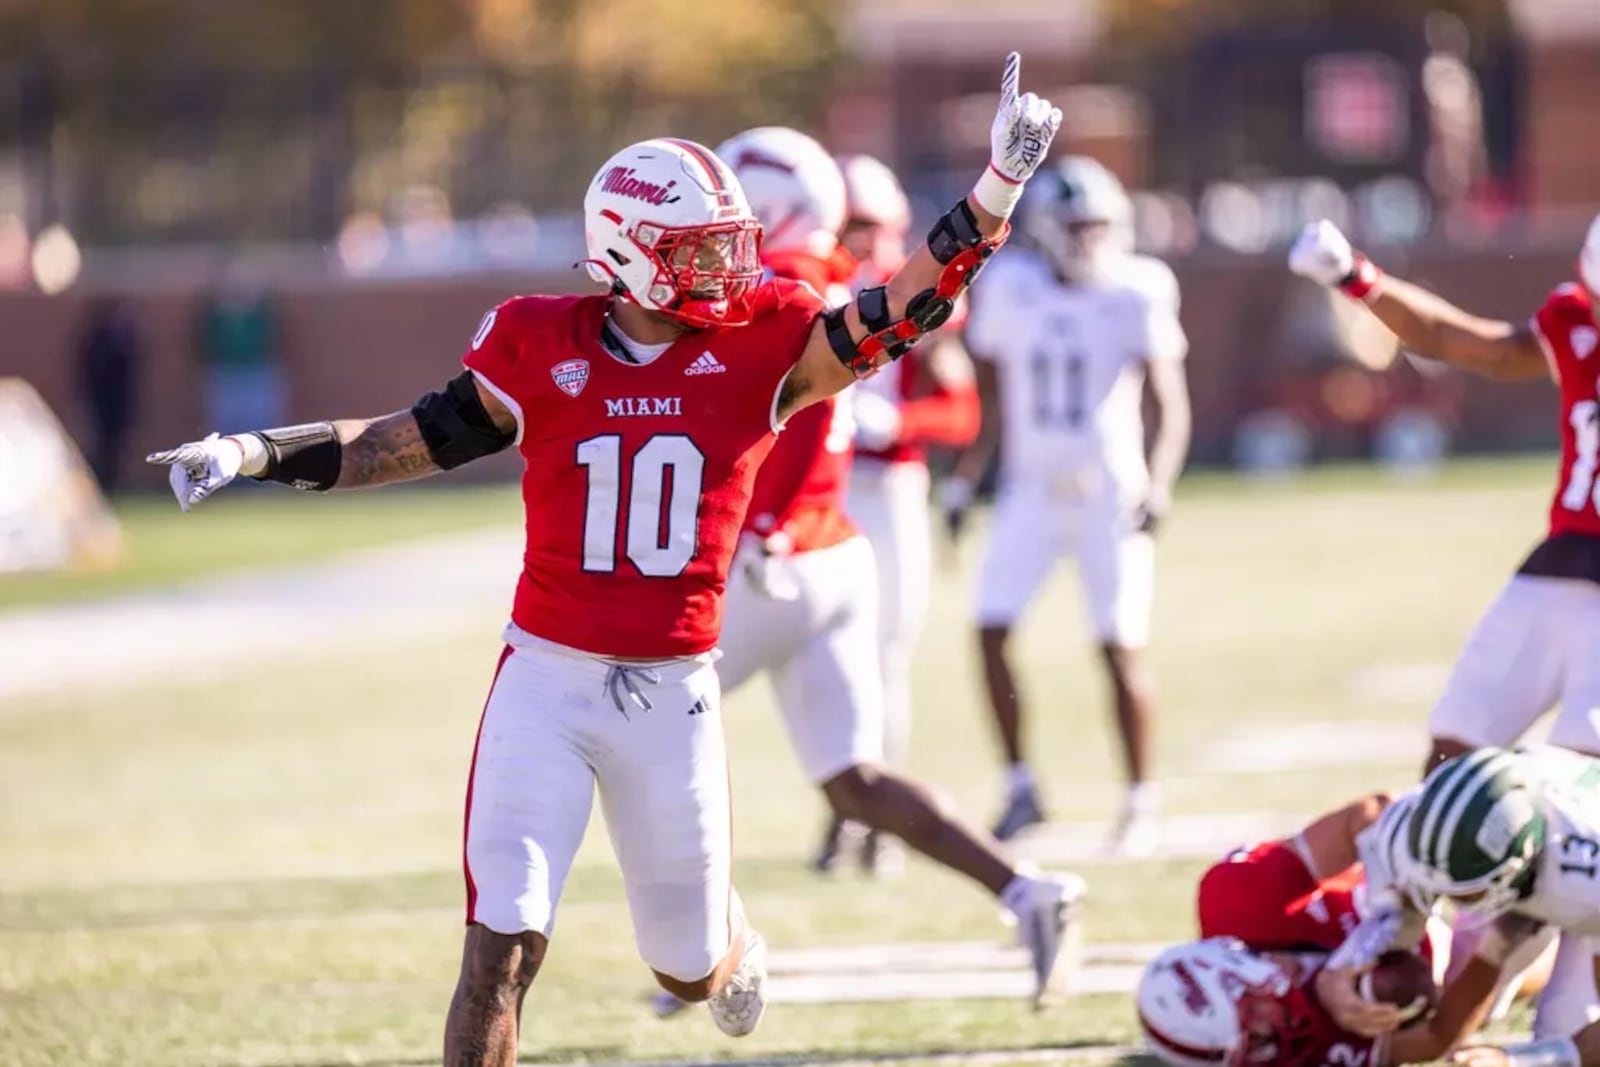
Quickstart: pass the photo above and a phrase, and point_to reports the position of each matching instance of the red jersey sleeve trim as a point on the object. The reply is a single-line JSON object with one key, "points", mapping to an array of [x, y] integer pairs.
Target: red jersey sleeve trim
{"points": [[772, 409], [948, 417], [504, 398]]}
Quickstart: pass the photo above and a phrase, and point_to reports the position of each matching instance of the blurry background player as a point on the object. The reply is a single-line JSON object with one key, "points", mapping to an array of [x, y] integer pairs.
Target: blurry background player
{"points": [[802, 601], [927, 397], [1537, 644], [1065, 336]]}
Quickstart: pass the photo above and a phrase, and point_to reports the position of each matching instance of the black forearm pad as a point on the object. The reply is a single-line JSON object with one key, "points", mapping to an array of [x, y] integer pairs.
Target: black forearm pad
{"points": [[454, 425], [302, 457]]}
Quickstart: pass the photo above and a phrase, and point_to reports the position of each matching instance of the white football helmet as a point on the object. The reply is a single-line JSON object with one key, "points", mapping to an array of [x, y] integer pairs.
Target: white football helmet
{"points": [[1214, 1002], [668, 227], [794, 187], [873, 195], [1589, 259], [877, 214], [1478, 830], [1080, 216]]}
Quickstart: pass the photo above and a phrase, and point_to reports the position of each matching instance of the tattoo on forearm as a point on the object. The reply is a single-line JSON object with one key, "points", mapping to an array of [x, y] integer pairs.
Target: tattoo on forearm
{"points": [[382, 450]]}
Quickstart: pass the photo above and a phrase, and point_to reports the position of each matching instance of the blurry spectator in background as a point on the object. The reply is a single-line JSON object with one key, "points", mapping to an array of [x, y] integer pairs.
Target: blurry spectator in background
{"points": [[1457, 159], [111, 356], [238, 346]]}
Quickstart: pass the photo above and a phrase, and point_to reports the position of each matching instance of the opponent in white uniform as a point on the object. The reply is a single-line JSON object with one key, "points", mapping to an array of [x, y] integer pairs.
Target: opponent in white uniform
{"points": [[1512, 839], [1065, 338]]}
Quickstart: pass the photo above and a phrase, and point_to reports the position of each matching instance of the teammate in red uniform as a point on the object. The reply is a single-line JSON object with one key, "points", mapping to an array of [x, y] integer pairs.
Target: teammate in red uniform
{"points": [[1535, 645], [802, 606], [642, 417], [928, 398]]}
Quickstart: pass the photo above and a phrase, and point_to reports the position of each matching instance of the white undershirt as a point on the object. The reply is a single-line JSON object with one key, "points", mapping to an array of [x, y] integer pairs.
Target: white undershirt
{"points": [[641, 352]]}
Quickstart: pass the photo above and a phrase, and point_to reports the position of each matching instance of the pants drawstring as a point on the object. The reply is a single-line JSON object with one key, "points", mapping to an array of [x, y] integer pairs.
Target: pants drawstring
{"points": [[622, 683]]}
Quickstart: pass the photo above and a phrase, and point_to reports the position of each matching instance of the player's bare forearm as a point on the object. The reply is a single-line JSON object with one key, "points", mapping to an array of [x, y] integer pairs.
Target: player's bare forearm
{"points": [[975, 459], [1170, 449], [1463, 1006], [1433, 327], [921, 271], [1329, 843], [819, 373], [382, 451]]}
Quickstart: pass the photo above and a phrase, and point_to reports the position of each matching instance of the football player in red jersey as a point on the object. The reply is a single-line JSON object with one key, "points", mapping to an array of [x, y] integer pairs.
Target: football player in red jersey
{"points": [[929, 398], [801, 605], [640, 457], [1535, 646]]}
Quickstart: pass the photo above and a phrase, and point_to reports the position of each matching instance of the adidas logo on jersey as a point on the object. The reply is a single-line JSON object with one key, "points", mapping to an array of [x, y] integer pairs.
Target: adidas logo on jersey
{"points": [[706, 364]]}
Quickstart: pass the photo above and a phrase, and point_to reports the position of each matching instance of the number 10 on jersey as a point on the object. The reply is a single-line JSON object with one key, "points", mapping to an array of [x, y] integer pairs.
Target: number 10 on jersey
{"points": [[660, 526]]}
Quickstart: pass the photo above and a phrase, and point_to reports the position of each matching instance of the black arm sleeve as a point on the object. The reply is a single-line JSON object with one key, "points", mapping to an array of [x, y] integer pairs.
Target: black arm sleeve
{"points": [[454, 425]]}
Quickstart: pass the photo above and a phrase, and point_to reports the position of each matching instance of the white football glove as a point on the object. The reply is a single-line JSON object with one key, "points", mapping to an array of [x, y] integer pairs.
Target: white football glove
{"points": [[1322, 253], [200, 468], [1019, 139], [767, 564]]}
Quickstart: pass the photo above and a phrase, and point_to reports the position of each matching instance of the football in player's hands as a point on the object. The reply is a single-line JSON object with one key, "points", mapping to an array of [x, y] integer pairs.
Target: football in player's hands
{"points": [[1405, 980]]}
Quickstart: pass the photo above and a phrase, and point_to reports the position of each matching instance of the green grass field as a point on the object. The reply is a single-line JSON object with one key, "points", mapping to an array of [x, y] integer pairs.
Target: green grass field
{"points": [[261, 527], [265, 868]]}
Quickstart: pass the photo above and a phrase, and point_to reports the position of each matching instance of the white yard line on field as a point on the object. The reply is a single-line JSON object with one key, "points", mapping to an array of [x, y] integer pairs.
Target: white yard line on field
{"points": [[958, 970], [1297, 745], [212, 626], [1178, 836]]}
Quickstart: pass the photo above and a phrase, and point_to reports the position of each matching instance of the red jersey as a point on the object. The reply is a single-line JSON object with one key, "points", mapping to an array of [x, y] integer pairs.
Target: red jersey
{"points": [[1318, 1040], [637, 476], [1264, 896], [934, 409], [1566, 328], [800, 492]]}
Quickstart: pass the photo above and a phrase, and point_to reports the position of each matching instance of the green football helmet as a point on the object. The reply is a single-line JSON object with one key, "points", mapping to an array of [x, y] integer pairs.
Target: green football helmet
{"points": [[1477, 830]]}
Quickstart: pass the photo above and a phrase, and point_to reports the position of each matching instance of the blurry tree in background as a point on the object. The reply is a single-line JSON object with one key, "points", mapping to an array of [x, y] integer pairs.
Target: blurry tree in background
{"points": [[198, 120]]}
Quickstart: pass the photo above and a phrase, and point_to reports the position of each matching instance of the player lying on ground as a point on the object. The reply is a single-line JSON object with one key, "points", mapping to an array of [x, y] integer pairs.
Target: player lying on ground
{"points": [[1274, 923], [637, 474], [1534, 647], [1066, 333], [802, 604], [1512, 840], [926, 399]]}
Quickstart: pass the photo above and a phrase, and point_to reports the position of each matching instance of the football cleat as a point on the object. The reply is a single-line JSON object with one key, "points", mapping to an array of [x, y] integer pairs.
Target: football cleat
{"points": [[1022, 811], [1051, 929], [1135, 834], [743, 1000], [883, 856], [841, 838]]}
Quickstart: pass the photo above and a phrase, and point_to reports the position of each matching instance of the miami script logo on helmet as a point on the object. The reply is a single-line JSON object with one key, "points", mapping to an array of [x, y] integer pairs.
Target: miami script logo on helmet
{"points": [[620, 180]]}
